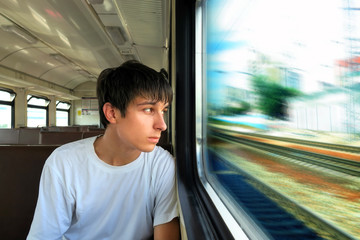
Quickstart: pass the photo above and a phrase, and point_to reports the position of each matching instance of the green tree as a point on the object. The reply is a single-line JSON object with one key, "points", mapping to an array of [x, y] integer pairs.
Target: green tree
{"points": [[242, 108], [273, 97]]}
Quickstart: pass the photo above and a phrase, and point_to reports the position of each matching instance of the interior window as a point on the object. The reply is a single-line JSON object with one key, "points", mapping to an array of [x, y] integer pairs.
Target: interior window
{"points": [[7, 108], [281, 114], [62, 113], [37, 111]]}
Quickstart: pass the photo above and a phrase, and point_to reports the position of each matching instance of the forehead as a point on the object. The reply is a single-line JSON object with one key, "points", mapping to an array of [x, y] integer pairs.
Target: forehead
{"points": [[139, 101]]}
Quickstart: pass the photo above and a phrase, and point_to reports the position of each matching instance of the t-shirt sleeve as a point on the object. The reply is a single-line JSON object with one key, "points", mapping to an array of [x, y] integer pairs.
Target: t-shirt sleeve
{"points": [[54, 208], [166, 207]]}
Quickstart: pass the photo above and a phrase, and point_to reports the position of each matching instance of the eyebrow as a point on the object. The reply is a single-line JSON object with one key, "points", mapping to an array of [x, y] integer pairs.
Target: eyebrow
{"points": [[151, 103]]}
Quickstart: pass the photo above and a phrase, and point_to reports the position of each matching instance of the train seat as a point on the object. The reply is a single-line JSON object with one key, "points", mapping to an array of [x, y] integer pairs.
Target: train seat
{"points": [[29, 136], [92, 133], [58, 137], [9, 136], [20, 170]]}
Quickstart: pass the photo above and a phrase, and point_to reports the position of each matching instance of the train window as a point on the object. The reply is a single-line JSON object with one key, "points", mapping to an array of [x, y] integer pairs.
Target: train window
{"points": [[7, 108], [279, 115], [62, 113], [37, 111]]}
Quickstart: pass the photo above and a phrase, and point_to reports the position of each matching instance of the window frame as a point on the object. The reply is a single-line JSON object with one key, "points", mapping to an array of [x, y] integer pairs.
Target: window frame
{"points": [[237, 222], [201, 217], [232, 215], [203, 211], [252, 229]]}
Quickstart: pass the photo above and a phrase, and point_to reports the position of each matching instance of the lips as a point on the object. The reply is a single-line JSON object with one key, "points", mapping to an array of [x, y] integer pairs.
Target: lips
{"points": [[154, 139]]}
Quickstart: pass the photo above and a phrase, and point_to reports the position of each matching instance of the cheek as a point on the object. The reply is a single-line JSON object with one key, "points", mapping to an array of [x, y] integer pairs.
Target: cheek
{"points": [[140, 123]]}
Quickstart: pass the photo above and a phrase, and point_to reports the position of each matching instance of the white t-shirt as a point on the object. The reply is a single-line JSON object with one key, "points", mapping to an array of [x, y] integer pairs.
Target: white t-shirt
{"points": [[82, 197]]}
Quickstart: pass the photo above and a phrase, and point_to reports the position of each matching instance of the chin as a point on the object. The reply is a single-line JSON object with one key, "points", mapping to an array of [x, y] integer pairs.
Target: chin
{"points": [[147, 148]]}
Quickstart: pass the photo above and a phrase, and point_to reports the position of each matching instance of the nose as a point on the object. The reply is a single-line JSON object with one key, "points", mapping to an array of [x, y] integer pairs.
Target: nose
{"points": [[159, 122]]}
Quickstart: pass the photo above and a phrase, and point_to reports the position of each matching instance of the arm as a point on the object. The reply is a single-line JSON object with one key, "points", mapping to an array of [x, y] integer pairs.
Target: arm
{"points": [[53, 210], [167, 231], [166, 221]]}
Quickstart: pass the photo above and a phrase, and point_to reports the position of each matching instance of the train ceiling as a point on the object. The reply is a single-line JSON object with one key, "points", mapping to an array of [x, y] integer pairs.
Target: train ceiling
{"points": [[55, 46]]}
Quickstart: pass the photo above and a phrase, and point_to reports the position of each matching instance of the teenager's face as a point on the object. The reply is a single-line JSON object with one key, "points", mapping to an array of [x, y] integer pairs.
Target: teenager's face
{"points": [[142, 125]]}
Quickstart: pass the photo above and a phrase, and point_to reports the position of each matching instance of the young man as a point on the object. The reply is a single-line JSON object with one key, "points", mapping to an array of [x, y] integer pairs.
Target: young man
{"points": [[119, 185]]}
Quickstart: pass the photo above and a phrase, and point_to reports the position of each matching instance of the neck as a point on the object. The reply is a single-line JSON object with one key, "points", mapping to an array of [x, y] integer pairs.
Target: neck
{"points": [[114, 154]]}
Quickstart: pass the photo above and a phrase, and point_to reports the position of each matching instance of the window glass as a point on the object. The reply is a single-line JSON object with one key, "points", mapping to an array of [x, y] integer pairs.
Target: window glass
{"points": [[5, 113], [63, 105], [7, 97], [36, 117], [62, 118], [282, 114], [37, 111], [38, 101], [62, 113]]}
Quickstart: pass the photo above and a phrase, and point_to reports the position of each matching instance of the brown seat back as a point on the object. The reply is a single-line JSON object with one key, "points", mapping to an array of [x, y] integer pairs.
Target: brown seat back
{"points": [[9, 136], [59, 137], [29, 135], [20, 171], [92, 133]]}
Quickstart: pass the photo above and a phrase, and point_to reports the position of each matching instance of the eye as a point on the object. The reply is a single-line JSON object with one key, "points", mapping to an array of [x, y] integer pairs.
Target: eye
{"points": [[164, 111], [147, 110]]}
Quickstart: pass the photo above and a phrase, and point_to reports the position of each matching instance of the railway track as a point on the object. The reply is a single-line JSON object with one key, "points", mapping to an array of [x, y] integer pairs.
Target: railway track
{"points": [[279, 217], [336, 164], [337, 147]]}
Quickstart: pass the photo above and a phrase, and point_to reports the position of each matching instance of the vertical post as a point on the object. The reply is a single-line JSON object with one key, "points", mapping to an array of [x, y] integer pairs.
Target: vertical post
{"points": [[21, 107], [52, 111]]}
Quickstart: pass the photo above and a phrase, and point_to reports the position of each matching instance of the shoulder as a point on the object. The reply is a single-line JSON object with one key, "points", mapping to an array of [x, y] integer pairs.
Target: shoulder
{"points": [[75, 146], [70, 152], [160, 161], [160, 155]]}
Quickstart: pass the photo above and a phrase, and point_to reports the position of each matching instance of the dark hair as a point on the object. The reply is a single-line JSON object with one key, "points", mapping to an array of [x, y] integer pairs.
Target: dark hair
{"points": [[119, 86]]}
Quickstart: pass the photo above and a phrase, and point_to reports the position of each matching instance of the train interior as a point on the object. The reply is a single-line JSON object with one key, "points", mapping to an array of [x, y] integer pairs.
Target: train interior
{"points": [[51, 55], [264, 124]]}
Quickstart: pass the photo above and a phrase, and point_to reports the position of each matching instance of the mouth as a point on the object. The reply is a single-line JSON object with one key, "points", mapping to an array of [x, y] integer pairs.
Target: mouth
{"points": [[154, 139]]}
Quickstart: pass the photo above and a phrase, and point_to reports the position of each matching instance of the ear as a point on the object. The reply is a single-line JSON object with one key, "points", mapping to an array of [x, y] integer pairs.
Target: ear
{"points": [[110, 112]]}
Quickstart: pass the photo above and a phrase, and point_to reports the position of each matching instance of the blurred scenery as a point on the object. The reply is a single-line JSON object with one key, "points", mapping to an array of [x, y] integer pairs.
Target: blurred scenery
{"points": [[286, 67]]}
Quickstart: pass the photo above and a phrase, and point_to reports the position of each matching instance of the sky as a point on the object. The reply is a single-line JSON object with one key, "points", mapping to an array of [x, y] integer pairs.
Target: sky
{"points": [[307, 35]]}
